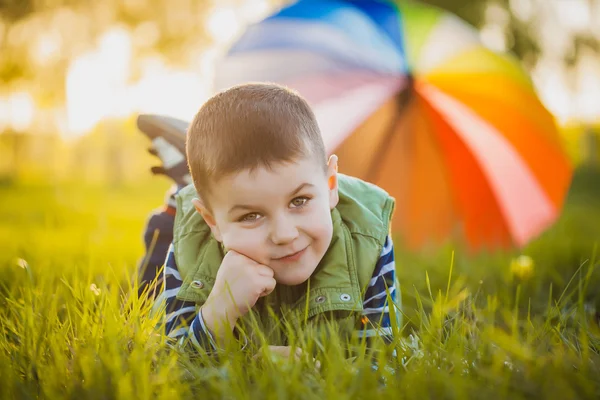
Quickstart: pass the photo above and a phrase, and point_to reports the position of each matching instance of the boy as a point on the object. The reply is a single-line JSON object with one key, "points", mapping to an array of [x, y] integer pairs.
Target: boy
{"points": [[269, 223]]}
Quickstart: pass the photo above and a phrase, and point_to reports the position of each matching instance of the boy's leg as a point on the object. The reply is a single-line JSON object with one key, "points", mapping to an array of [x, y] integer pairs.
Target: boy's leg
{"points": [[158, 236], [158, 233]]}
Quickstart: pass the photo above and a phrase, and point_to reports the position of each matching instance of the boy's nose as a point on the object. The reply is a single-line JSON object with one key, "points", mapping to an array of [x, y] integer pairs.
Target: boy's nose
{"points": [[283, 231]]}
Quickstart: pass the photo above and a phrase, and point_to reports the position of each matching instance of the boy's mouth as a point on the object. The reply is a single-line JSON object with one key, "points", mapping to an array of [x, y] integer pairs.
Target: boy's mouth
{"points": [[292, 257]]}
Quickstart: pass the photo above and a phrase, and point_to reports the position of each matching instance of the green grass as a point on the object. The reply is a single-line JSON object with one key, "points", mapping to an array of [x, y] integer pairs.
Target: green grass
{"points": [[474, 329]]}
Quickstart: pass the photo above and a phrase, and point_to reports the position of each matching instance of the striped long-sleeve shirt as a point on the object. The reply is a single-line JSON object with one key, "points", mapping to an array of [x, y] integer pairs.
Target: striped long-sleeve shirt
{"points": [[182, 320]]}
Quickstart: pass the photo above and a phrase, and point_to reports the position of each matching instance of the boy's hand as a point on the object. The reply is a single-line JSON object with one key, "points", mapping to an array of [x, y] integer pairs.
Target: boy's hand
{"points": [[287, 352], [240, 282]]}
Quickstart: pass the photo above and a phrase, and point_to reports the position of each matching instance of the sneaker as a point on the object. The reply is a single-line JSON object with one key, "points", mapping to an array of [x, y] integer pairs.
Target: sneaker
{"points": [[168, 144]]}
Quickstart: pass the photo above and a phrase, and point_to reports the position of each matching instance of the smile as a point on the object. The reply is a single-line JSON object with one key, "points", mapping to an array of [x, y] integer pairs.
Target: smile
{"points": [[292, 257]]}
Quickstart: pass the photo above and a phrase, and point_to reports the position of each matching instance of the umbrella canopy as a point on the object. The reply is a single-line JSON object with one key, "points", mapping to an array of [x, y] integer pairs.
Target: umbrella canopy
{"points": [[410, 100]]}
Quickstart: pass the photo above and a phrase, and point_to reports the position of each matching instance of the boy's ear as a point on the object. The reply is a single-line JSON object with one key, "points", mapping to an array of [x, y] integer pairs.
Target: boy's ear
{"points": [[208, 218], [332, 181]]}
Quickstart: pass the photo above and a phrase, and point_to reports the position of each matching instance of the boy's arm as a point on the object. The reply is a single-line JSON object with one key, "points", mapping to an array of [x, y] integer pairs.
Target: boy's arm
{"points": [[376, 316], [250, 281], [181, 319]]}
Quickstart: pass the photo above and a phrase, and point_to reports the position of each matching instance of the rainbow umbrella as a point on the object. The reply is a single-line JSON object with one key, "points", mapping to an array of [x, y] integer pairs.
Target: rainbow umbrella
{"points": [[410, 100]]}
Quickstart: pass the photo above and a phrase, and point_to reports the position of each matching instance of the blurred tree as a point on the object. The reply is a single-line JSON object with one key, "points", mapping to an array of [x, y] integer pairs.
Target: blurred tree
{"points": [[13, 10], [590, 147], [178, 22], [523, 37], [470, 10], [528, 43], [29, 28], [39, 39]]}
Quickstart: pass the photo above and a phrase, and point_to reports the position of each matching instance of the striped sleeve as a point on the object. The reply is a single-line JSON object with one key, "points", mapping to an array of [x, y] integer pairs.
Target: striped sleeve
{"points": [[376, 315], [181, 319]]}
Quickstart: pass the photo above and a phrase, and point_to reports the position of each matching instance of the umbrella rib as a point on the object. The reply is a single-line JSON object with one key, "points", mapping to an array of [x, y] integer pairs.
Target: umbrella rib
{"points": [[403, 99]]}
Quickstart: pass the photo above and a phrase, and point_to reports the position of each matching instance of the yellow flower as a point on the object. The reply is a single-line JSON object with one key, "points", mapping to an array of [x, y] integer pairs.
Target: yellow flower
{"points": [[522, 267], [95, 289]]}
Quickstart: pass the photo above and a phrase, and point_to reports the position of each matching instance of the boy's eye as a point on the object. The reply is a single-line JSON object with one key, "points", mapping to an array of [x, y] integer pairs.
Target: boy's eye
{"points": [[250, 217], [299, 202]]}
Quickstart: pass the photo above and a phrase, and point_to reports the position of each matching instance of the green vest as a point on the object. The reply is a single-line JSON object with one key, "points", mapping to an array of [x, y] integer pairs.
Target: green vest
{"points": [[361, 222]]}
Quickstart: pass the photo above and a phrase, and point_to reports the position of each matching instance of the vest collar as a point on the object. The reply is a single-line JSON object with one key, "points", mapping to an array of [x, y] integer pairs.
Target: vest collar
{"points": [[334, 286]]}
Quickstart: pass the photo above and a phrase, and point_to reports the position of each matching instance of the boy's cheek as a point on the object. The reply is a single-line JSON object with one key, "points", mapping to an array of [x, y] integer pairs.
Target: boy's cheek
{"points": [[246, 244]]}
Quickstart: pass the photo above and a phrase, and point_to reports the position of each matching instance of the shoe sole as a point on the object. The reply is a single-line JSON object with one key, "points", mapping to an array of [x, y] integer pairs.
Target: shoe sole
{"points": [[173, 130]]}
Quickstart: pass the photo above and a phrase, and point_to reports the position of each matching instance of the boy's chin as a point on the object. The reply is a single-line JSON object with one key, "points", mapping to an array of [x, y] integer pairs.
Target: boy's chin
{"points": [[293, 279]]}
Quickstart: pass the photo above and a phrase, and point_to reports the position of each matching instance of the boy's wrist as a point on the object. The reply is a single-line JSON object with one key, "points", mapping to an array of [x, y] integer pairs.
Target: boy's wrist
{"points": [[218, 319]]}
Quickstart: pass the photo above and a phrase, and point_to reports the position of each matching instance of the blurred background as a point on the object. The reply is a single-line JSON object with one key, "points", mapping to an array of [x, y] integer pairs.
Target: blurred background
{"points": [[74, 172], [73, 73]]}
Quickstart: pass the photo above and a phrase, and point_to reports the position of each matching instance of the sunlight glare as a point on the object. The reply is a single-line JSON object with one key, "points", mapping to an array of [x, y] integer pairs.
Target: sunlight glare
{"points": [[223, 24], [494, 37], [255, 10], [493, 33], [573, 14], [86, 94], [167, 91], [47, 48], [523, 9], [554, 92], [588, 85], [95, 82], [4, 114], [21, 109]]}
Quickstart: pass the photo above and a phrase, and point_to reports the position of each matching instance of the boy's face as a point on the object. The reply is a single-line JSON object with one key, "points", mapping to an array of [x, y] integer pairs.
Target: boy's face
{"points": [[279, 217]]}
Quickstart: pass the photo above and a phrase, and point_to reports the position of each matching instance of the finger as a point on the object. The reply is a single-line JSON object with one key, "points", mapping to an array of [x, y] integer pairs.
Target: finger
{"points": [[287, 351], [267, 291], [268, 286], [243, 257], [280, 350], [264, 270]]}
